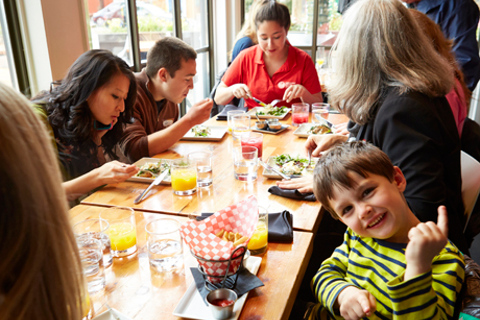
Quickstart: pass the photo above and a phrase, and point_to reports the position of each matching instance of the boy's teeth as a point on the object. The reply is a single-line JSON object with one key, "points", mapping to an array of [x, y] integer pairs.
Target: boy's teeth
{"points": [[376, 221]]}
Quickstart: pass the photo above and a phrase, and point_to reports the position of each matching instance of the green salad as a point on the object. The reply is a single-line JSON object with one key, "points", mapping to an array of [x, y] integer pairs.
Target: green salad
{"points": [[273, 111]]}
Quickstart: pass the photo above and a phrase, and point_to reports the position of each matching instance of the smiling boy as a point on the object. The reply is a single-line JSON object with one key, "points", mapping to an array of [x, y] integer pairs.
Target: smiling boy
{"points": [[161, 86], [389, 264]]}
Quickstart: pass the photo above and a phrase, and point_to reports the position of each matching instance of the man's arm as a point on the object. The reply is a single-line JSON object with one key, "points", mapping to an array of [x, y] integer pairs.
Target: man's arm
{"points": [[162, 140]]}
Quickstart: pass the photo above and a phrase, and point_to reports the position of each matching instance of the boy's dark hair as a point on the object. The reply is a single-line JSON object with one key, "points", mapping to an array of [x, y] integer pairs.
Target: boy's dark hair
{"points": [[168, 53], [333, 168], [273, 11]]}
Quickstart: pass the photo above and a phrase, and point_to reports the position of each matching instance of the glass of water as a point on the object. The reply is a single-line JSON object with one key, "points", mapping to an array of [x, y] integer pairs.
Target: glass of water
{"points": [[91, 256], [203, 162], [96, 228], [245, 163], [164, 245], [240, 125], [230, 114], [320, 112]]}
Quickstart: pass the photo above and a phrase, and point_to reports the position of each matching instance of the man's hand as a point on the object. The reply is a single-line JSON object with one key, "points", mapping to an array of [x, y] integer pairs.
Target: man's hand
{"points": [[426, 240], [355, 304], [200, 111]]}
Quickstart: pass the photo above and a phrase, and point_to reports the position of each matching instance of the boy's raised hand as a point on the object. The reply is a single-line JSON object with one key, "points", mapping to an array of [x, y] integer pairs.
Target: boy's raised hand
{"points": [[356, 304], [426, 241]]}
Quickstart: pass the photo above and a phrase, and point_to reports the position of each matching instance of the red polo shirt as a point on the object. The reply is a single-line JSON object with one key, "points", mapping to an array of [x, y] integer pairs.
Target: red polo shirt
{"points": [[249, 68]]}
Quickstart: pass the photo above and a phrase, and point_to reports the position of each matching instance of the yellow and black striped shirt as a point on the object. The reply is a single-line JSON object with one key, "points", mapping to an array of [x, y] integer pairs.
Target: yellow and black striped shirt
{"points": [[379, 266]]}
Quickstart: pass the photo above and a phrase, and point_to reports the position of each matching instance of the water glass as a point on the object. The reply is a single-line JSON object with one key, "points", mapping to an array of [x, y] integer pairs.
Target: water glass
{"points": [[320, 111], [96, 229], [300, 113], [253, 139], [164, 245], [230, 114], [184, 177], [203, 163], [122, 231], [240, 125], [245, 163], [91, 256], [259, 241]]}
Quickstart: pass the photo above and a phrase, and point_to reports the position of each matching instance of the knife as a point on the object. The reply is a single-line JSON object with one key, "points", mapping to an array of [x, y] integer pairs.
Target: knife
{"points": [[263, 104], [269, 167], [155, 182]]}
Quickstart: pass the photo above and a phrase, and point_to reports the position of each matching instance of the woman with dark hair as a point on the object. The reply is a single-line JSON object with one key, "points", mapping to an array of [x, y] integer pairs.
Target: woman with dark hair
{"points": [[273, 69], [85, 115]]}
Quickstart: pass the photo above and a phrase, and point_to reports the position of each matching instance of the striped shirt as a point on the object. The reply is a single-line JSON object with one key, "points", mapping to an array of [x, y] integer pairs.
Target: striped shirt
{"points": [[379, 266]]}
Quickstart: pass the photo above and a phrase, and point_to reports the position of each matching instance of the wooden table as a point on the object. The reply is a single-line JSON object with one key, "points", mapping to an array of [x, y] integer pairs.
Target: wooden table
{"points": [[141, 293], [226, 190]]}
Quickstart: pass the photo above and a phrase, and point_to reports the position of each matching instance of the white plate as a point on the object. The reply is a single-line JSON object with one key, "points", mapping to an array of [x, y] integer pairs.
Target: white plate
{"points": [[140, 163], [264, 116], [111, 314], [192, 305], [272, 175], [302, 130], [216, 134], [269, 131]]}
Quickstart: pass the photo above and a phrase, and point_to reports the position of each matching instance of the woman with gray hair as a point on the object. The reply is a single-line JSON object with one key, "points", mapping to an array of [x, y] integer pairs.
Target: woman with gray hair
{"points": [[391, 83]]}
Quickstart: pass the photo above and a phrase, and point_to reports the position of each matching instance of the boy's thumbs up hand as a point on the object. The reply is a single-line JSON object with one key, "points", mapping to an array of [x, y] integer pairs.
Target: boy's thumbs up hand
{"points": [[426, 241]]}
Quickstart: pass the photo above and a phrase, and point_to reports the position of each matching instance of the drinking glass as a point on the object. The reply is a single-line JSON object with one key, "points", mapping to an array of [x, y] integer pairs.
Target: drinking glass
{"points": [[98, 230], [253, 139], [245, 163], [259, 241], [203, 163], [299, 113], [240, 125], [91, 256], [122, 231], [164, 245], [230, 114], [320, 111], [184, 177]]}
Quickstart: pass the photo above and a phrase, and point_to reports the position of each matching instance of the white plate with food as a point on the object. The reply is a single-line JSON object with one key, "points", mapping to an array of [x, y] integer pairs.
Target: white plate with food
{"points": [[269, 112], [150, 168], [307, 129], [293, 166], [205, 133], [111, 314], [192, 305], [271, 131]]}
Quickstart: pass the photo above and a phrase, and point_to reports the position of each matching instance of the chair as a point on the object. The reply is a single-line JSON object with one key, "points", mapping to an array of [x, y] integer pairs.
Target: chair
{"points": [[470, 171]]}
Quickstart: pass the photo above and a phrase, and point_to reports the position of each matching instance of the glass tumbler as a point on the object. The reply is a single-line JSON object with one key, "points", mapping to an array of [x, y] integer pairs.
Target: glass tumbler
{"points": [[98, 230], [300, 113], [203, 164], [164, 245], [259, 241], [320, 112], [184, 177], [122, 231], [230, 114]]}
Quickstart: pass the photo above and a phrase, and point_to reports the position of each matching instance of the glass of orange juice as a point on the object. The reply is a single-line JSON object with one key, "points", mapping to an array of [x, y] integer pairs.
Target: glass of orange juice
{"points": [[259, 241], [122, 231], [184, 177]]}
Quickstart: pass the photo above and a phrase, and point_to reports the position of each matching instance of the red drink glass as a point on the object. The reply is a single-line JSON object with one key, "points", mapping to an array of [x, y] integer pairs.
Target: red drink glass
{"points": [[253, 139], [299, 113]]}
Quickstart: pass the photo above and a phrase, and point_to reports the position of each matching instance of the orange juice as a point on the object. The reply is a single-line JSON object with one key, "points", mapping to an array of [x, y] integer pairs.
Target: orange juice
{"points": [[259, 240], [184, 179], [122, 236]]}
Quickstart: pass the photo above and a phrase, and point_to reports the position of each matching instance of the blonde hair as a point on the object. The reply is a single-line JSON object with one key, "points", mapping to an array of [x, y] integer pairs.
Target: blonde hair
{"points": [[40, 269], [443, 46], [379, 46], [249, 29]]}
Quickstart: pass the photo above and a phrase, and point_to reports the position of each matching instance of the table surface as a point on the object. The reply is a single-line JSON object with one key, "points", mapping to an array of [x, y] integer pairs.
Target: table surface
{"points": [[226, 190], [139, 292]]}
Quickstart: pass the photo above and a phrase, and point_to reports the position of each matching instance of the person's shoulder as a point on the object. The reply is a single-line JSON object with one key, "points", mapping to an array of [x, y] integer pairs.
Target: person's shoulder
{"points": [[244, 42]]}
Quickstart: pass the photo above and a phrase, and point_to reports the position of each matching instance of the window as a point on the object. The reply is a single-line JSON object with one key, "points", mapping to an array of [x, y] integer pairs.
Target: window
{"points": [[112, 28]]}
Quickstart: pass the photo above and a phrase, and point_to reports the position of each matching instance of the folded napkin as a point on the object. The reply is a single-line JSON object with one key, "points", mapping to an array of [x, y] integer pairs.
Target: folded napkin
{"points": [[279, 226], [246, 281], [229, 107], [292, 194]]}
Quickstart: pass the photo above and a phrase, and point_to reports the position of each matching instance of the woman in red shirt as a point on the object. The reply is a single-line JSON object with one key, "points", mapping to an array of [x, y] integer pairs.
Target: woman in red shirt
{"points": [[273, 69]]}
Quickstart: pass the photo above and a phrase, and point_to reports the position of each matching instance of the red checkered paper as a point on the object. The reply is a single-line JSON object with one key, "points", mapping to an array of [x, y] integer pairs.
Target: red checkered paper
{"points": [[201, 237]]}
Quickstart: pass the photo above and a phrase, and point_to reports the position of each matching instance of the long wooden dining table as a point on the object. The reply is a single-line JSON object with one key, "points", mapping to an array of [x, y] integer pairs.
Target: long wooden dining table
{"points": [[226, 190], [140, 292]]}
